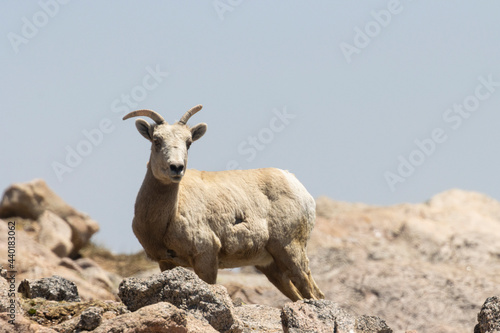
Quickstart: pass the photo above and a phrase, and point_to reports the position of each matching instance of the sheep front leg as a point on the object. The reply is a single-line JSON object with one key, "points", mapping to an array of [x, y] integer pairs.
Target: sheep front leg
{"points": [[206, 267], [165, 265]]}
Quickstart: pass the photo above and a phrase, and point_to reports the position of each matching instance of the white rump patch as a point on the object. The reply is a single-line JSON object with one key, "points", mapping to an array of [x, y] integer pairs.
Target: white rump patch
{"points": [[306, 199]]}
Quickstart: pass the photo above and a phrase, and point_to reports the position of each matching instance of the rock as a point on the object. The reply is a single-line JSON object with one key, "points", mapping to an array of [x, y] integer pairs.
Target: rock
{"points": [[489, 316], [424, 266], [326, 316], [55, 288], [34, 261], [159, 317], [94, 273], [82, 227], [21, 324], [55, 233], [30, 255], [185, 290], [30, 200], [66, 317], [316, 316], [71, 264], [9, 300], [259, 318], [371, 324], [90, 318]]}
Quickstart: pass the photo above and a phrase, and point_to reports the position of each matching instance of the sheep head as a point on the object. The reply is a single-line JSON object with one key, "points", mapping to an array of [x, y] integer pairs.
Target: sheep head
{"points": [[169, 143]]}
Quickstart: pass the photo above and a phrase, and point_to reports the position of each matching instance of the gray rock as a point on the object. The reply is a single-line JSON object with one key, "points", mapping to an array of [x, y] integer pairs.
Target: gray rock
{"points": [[489, 316], [90, 318], [185, 290], [371, 324], [310, 316], [326, 316], [54, 288]]}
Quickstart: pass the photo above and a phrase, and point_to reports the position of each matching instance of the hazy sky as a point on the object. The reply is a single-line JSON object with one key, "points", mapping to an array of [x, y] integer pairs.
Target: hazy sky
{"points": [[380, 102]]}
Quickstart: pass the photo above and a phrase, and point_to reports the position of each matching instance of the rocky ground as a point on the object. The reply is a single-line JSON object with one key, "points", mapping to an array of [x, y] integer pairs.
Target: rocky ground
{"points": [[428, 267]]}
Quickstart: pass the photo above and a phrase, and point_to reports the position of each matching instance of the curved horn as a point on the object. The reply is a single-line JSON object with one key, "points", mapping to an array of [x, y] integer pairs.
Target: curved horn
{"points": [[146, 113], [188, 114]]}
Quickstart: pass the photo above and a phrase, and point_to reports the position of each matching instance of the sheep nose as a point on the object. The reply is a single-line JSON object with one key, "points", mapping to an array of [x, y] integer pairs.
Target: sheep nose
{"points": [[176, 169]]}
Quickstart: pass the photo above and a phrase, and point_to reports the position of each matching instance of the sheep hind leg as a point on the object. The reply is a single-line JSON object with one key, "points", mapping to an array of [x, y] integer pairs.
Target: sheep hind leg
{"points": [[294, 258], [276, 276], [317, 292]]}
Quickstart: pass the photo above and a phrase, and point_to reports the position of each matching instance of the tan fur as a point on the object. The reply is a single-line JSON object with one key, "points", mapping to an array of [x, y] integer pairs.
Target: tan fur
{"points": [[212, 220]]}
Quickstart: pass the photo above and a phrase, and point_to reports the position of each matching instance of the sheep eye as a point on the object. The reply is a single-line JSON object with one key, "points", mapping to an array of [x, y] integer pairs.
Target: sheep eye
{"points": [[157, 143], [188, 144]]}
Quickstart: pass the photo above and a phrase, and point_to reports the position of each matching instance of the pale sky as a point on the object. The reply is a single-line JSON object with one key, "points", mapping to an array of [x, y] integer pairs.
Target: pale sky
{"points": [[381, 102]]}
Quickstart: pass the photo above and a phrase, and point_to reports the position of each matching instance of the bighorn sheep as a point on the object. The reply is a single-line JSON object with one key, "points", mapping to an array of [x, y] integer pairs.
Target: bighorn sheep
{"points": [[222, 219]]}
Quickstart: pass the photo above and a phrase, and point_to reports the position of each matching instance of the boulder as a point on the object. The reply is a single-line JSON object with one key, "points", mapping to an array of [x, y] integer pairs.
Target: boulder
{"points": [[55, 233], [185, 290], [30, 200], [489, 316], [34, 261], [371, 324], [82, 227], [95, 274], [70, 264], [316, 316], [326, 316], [90, 318], [159, 317], [259, 318], [55, 288]]}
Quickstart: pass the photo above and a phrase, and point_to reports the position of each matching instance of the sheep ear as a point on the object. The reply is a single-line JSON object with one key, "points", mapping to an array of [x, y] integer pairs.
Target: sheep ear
{"points": [[198, 131], [144, 128]]}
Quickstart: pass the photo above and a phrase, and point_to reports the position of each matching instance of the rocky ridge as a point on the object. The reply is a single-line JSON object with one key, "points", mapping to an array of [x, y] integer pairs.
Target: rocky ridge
{"points": [[420, 267], [163, 302]]}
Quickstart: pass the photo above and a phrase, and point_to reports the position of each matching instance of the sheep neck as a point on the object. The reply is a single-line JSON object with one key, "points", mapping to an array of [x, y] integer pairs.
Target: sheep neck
{"points": [[157, 194]]}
